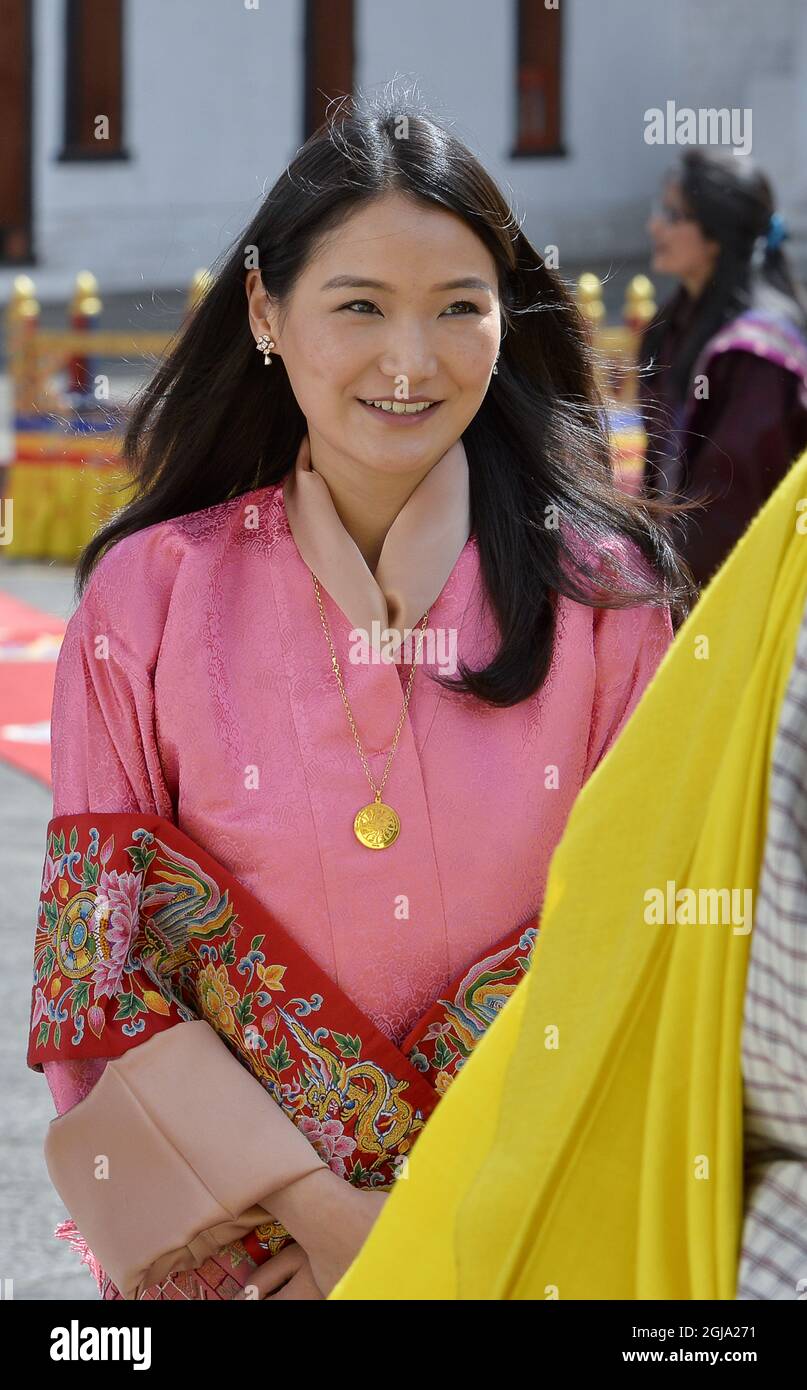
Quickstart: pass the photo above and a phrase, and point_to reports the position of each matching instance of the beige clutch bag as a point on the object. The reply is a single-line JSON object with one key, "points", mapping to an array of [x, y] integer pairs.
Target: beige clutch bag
{"points": [[171, 1156]]}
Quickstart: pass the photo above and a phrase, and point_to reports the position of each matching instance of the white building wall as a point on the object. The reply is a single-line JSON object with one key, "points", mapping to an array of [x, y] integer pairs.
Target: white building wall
{"points": [[214, 112], [622, 58]]}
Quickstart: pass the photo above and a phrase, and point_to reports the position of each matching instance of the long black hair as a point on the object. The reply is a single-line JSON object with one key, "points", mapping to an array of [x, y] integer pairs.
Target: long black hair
{"points": [[732, 201], [212, 424]]}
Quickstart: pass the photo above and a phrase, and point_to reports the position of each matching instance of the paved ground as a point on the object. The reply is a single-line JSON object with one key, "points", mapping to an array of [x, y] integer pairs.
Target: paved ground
{"points": [[40, 1266]]}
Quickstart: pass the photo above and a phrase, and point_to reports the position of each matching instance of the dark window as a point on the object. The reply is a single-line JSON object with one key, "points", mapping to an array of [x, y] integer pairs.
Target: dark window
{"points": [[329, 57], [15, 132], [538, 79], [93, 124]]}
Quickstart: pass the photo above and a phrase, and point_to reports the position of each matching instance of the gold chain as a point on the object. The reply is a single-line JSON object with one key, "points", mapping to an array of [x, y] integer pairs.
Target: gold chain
{"points": [[335, 664]]}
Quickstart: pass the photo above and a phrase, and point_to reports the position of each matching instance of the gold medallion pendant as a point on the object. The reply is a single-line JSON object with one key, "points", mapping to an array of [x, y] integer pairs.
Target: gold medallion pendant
{"points": [[376, 825]]}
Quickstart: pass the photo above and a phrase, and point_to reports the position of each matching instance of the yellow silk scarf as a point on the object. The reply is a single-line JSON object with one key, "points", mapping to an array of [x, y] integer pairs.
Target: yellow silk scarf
{"points": [[591, 1148]]}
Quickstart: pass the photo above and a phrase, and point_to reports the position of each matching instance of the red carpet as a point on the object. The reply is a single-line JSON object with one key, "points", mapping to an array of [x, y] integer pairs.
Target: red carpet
{"points": [[29, 645]]}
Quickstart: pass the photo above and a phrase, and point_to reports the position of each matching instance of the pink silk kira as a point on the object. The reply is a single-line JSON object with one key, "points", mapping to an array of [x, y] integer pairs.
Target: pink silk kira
{"points": [[215, 706]]}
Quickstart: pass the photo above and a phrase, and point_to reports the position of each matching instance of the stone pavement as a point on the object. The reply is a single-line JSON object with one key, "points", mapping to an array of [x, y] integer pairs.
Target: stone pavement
{"points": [[40, 1266]]}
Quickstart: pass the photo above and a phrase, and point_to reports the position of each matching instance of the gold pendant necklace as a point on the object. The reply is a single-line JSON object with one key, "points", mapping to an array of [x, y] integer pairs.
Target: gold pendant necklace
{"points": [[375, 825]]}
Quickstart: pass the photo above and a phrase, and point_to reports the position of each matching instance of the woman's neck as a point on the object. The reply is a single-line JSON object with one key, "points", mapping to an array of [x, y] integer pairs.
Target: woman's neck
{"points": [[696, 283], [366, 501]]}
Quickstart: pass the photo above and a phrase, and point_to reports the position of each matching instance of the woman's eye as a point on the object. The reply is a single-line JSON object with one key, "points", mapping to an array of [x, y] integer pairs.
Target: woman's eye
{"points": [[354, 302], [464, 304]]}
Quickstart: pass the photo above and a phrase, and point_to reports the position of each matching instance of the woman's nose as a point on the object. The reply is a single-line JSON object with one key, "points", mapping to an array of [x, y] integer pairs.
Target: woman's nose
{"points": [[410, 356]]}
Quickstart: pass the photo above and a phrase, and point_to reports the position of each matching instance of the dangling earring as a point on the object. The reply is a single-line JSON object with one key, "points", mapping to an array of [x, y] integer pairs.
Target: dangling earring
{"points": [[265, 345], [495, 366]]}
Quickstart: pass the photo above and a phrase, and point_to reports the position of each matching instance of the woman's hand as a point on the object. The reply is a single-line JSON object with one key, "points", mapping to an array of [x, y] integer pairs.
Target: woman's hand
{"points": [[285, 1275], [330, 1218], [302, 1285]]}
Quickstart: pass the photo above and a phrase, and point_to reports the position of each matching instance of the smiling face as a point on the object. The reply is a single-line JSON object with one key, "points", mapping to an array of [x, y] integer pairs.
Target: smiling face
{"points": [[679, 246], [379, 314]]}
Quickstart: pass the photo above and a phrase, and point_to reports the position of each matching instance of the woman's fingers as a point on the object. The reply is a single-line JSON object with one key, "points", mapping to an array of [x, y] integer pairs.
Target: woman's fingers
{"points": [[302, 1285], [274, 1272]]}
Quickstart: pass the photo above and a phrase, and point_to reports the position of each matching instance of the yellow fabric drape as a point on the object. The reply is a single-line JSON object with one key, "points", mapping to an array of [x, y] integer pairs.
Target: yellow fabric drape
{"points": [[609, 1165]]}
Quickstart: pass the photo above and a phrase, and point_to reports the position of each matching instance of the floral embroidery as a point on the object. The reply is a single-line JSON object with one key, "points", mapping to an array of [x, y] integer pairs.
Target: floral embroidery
{"points": [[85, 952], [216, 995], [330, 1141], [454, 1026], [123, 952], [135, 935]]}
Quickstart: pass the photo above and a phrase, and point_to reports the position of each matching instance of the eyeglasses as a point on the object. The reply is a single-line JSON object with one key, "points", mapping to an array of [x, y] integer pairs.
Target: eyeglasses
{"points": [[670, 215]]}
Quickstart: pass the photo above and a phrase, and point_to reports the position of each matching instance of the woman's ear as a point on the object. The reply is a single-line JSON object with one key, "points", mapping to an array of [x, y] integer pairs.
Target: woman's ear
{"points": [[260, 305]]}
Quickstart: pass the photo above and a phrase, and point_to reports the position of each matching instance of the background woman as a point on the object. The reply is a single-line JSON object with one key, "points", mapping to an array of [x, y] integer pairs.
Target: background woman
{"points": [[418, 442], [725, 405]]}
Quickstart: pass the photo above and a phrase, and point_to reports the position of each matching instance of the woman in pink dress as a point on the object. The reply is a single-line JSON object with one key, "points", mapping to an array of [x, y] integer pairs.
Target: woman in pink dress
{"points": [[338, 672]]}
